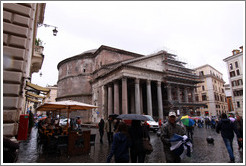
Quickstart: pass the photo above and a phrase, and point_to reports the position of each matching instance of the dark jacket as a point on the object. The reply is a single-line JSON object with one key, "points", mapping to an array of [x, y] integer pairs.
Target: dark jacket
{"points": [[137, 135], [120, 147], [227, 127]]}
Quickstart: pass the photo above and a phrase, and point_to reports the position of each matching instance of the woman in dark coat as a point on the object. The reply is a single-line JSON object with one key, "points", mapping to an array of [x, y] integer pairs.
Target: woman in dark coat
{"points": [[121, 144]]}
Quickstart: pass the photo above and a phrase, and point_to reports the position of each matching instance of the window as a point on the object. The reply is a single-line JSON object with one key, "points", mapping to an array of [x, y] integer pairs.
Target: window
{"points": [[232, 74], [238, 73], [197, 98], [203, 88], [236, 64], [204, 97], [231, 67], [238, 104], [201, 73]]}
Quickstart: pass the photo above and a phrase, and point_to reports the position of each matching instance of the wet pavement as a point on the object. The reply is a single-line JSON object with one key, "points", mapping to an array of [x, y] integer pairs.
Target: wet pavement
{"points": [[202, 151]]}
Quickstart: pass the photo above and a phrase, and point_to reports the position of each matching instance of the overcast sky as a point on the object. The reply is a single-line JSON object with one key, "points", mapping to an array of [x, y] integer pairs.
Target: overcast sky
{"points": [[199, 33]]}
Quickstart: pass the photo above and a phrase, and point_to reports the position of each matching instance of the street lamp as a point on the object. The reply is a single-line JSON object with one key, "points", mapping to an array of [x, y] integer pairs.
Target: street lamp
{"points": [[46, 25]]}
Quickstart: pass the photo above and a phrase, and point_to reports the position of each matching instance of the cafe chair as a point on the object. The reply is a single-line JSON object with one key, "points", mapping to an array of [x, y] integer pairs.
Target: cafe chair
{"points": [[62, 143], [92, 140]]}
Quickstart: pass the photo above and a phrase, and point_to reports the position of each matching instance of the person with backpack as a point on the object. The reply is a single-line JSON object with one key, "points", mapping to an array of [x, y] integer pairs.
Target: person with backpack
{"points": [[227, 129]]}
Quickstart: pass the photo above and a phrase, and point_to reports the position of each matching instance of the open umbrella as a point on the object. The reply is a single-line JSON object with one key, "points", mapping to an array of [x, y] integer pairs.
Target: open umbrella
{"points": [[67, 105], [187, 121], [132, 117], [113, 116]]}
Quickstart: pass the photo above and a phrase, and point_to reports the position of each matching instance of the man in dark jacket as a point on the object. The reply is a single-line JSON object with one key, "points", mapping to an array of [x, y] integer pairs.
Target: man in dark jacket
{"points": [[169, 129], [226, 127]]}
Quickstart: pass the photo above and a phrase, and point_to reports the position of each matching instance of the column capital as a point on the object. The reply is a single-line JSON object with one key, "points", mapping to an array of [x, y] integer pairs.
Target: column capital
{"points": [[137, 81], [158, 83], [148, 81]]}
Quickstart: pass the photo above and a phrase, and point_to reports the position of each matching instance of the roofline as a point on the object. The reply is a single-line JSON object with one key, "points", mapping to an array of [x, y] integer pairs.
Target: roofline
{"points": [[209, 66], [232, 56], [94, 54]]}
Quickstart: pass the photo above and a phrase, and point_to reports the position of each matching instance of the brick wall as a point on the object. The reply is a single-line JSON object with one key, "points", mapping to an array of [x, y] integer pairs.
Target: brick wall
{"points": [[19, 32]]}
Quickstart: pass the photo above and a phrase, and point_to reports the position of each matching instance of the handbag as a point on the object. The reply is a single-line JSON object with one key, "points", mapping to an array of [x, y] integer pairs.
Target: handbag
{"points": [[148, 149]]}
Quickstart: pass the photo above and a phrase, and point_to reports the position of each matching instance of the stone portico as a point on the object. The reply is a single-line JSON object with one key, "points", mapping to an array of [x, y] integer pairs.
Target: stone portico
{"points": [[122, 82]]}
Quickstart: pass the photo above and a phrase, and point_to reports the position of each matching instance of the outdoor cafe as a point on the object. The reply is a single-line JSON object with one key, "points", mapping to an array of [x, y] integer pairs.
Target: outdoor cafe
{"points": [[56, 138]]}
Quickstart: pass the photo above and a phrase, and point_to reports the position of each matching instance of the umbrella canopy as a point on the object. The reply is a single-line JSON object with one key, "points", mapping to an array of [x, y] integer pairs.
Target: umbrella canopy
{"points": [[187, 121], [68, 105], [65, 105], [132, 117], [113, 115]]}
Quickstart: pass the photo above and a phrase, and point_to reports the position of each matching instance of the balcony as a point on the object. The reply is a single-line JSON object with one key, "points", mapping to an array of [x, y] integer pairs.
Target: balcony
{"points": [[37, 59]]}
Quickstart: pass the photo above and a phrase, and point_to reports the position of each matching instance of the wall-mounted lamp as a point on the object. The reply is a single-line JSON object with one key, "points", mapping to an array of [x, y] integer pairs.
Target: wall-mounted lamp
{"points": [[46, 25]]}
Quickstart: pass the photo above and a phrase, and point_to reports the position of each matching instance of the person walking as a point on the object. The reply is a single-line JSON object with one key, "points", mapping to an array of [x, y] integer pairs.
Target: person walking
{"points": [[189, 131], [137, 134], [120, 146], [101, 130], [168, 130], [239, 123], [109, 126], [226, 127]]}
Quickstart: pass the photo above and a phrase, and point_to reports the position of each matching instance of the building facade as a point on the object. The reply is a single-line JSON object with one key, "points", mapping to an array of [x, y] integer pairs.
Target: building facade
{"points": [[235, 73], [20, 22], [211, 91], [229, 98], [121, 82]]}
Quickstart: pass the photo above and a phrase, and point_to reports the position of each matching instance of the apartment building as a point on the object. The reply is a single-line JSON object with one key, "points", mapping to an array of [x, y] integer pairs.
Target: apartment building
{"points": [[211, 91], [235, 75]]}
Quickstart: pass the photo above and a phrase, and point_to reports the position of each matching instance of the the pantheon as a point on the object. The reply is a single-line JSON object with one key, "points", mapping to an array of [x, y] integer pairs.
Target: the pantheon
{"points": [[121, 82]]}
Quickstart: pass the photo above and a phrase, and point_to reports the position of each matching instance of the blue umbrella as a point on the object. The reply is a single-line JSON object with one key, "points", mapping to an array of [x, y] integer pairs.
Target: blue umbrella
{"points": [[181, 145]]}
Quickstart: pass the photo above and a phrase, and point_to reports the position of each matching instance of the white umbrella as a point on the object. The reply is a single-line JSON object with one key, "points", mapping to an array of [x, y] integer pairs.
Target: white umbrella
{"points": [[68, 105]]}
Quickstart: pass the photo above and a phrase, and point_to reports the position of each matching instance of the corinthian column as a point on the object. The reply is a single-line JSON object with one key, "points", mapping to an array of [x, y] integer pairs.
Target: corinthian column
{"points": [[116, 98], [110, 100], [160, 108], [137, 96], [124, 96], [149, 98]]}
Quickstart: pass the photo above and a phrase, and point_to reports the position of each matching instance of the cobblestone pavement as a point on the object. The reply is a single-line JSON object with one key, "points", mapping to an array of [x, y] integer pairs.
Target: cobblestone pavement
{"points": [[202, 151]]}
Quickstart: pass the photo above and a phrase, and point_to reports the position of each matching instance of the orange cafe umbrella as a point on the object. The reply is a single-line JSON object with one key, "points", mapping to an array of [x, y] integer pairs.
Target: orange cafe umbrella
{"points": [[68, 105]]}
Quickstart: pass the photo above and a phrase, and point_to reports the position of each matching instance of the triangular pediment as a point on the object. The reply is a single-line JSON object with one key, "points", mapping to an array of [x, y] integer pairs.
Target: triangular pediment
{"points": [[149, 62]]}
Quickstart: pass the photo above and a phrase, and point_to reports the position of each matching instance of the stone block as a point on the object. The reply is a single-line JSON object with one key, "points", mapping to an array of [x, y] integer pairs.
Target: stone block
{"points": [[16, 53], [17, 8], [5, 39], [10, 129], [10, 102], [11, 76], [7, 16], [11, 89], [17, 41], [21, 20], [10, 116], [15, 29]]}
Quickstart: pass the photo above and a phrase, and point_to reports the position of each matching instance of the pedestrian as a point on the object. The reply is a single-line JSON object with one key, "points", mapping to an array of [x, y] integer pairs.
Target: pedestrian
{"points": [[226, 127], [137, 134], [207, 123], [120, 145], [189, 131], [168, 130], [109, 126], [78, 123], [101, 130], [239, 123]]}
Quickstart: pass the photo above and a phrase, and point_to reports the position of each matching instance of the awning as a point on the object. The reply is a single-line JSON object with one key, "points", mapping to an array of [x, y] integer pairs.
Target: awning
{"points": [[39, 88], [34, 95], [33, 100]]}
